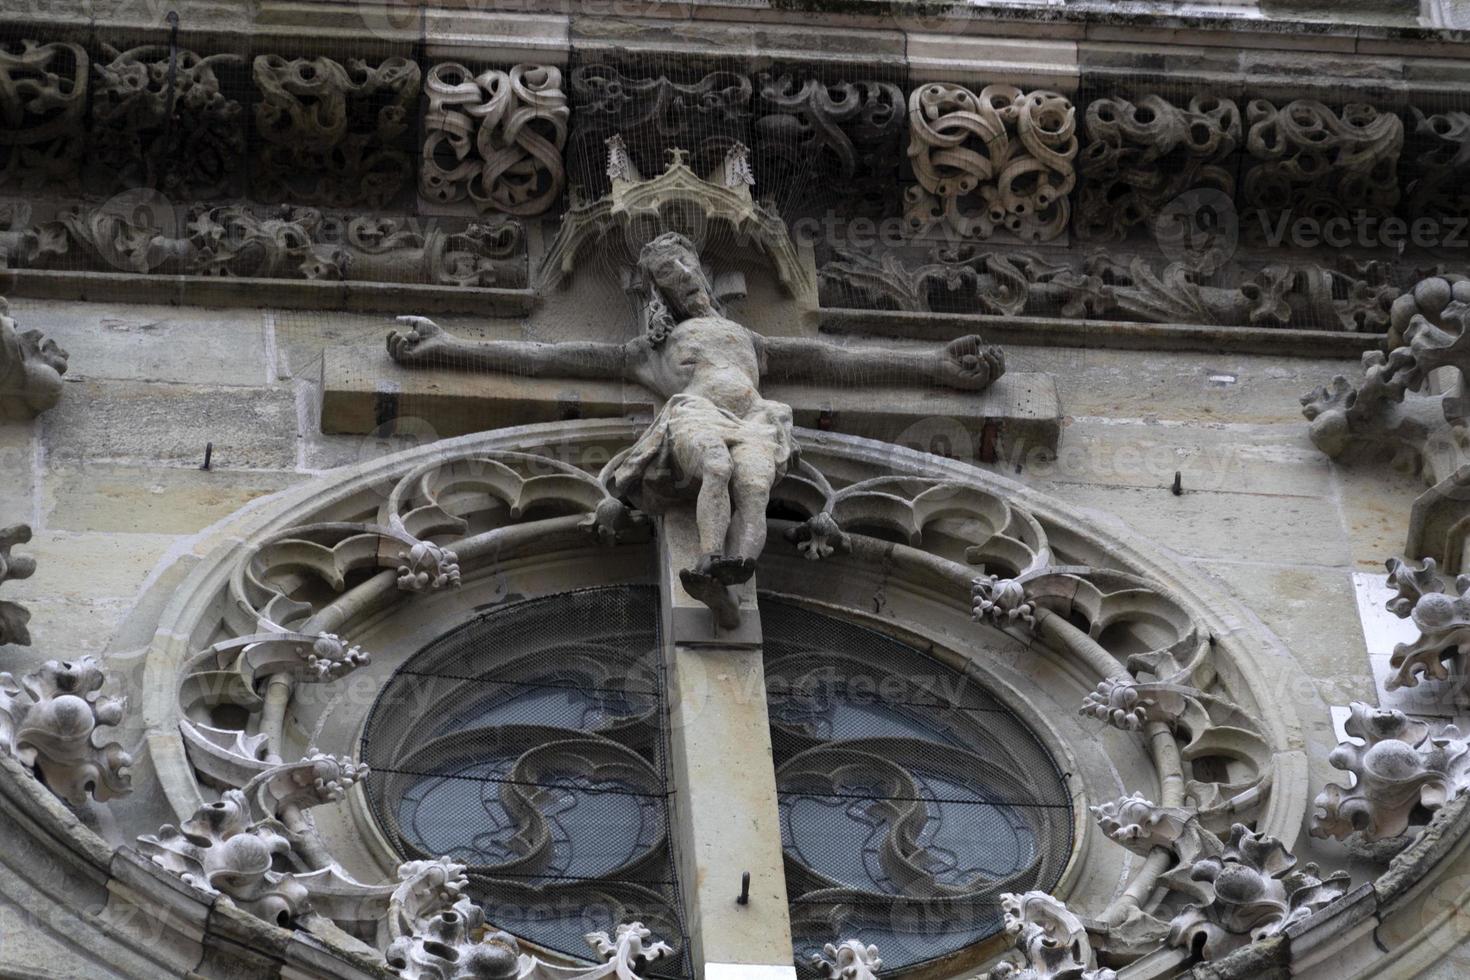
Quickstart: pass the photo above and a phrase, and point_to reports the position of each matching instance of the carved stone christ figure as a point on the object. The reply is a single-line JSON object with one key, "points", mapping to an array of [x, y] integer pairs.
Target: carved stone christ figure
{"points": [[716, 438]]}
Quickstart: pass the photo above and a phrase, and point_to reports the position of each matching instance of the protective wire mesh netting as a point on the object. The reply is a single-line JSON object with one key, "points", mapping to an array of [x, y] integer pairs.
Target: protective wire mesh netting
{"points": [[529, 744], [910, 797]]}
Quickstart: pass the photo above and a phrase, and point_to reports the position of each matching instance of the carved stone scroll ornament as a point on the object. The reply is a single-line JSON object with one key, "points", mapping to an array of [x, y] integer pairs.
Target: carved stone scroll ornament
{"points": [[1141, 826], [333, 131], [30, 370], [1251, 890], [998, 161], [967, 279], [43, 100], [1052, 942], [1138, 156], [162, 120], [51, 721], [1400, 769], [843, 135], [848, 960], [1440, 147], [1311, 161], [449, 947], [496, 138], [13, 616]]}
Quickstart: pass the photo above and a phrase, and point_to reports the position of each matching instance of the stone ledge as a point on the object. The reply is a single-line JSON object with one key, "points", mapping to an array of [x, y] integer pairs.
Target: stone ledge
{"points": [[1036, 331], [293, 294], [362, 390]]}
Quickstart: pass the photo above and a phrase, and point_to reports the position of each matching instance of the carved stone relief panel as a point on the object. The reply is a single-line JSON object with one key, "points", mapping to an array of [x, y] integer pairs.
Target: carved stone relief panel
{"points": [[43, 96], [1138, 156], [997, 161], [164, 123], [1310, 160], [333, 131], [495, 138]]}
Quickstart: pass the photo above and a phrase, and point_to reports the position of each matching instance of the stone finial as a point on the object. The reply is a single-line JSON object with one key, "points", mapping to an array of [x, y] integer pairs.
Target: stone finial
{"points": [[1051, 942], [631, 947], [50, 722], [426, 566], [316, 780], [848, 960], [1400, 767], [1251, 891], [30, 370]]}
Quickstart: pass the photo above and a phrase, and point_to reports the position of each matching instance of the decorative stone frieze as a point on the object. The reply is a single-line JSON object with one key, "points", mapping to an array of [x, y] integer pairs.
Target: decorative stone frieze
{"points": [[1138, 156], [971, 280], [654, 115], [30, 371], [13, 616], [495, 138], [1438, 151], [288, 243], [1312, 161], [841, 137], [163, 121], [51, 720], [999, 161], [1399, 768], [850, 959], [1051, 941], [1251, 891], [333, 132], [43, 100]]}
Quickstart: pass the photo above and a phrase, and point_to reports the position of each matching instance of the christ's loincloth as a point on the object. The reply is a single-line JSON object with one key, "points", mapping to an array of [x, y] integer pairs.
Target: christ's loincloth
{"points": [[649, 476]]}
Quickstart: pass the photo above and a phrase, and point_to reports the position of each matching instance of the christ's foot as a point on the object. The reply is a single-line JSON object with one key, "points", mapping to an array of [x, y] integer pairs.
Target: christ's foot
{"points": [[420, 343], [730, 569], [713, 593]]}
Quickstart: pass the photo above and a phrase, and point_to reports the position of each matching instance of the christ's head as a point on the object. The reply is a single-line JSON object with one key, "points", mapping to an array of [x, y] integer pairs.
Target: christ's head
{"points": [[671, 268]]}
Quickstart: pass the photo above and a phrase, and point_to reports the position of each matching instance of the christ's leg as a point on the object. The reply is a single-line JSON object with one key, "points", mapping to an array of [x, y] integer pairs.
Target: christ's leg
{"points": [[750, 492], [704, 457]]}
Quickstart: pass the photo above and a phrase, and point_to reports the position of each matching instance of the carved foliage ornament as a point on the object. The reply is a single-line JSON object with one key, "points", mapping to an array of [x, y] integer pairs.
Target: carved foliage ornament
{"points": [[998, 161], [1399, 768], [1250, 891], [333, 131], [43, 96], [1443, 621], [1440, 144], [496, 138], [30, 370], [447, 947], [1051, 941], [51, 720], [164, 122]]}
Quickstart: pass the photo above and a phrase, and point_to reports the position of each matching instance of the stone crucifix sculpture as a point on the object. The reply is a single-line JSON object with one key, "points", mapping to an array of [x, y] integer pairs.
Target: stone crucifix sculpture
{"points": [[716, 439]]}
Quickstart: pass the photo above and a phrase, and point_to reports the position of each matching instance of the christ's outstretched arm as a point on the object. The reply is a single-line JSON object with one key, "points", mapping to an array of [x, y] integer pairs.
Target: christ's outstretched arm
{"points": [[427, 344], [967, 363]]}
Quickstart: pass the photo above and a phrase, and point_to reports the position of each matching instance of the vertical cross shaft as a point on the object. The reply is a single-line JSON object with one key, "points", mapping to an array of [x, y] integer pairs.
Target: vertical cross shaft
{"points": [[726, 821]]}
